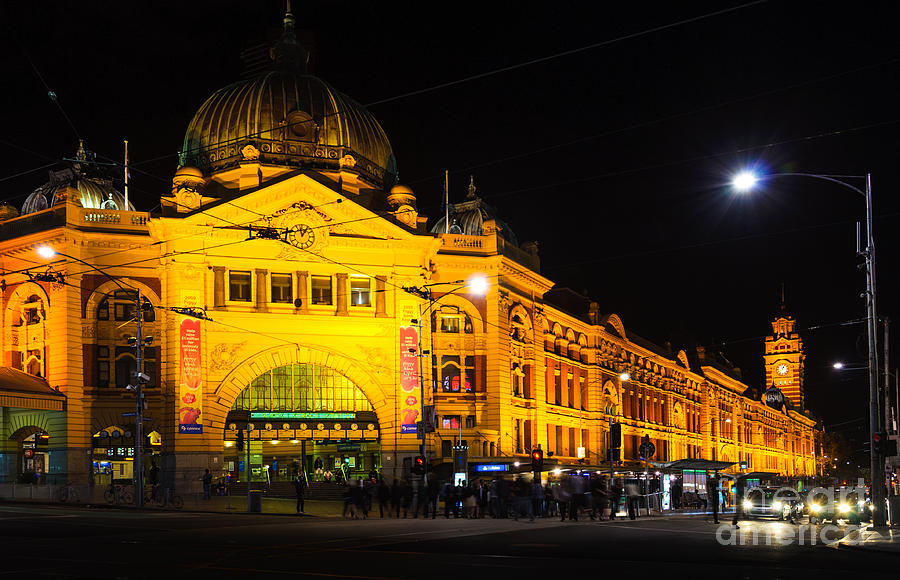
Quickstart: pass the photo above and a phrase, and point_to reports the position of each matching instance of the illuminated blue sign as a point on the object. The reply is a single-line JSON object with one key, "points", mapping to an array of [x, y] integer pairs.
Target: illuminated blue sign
{"points": [[489, 467]]}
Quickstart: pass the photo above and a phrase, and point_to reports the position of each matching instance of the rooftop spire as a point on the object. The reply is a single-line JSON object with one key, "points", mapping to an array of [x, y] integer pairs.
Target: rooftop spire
{"points": [[289, 54], [471, 194]]}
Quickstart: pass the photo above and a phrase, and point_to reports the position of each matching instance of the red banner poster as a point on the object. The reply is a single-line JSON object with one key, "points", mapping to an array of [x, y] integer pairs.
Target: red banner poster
{"points": [[410, 393], [190, 389]]}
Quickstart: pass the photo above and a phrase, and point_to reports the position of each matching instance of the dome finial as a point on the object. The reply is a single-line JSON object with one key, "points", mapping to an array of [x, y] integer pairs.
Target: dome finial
{"points": [[471, 194], [81, 153], [289, 54]]}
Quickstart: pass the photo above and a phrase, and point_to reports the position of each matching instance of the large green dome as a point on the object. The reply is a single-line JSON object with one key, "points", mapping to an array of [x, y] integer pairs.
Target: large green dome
{"points": [[292, 119]]}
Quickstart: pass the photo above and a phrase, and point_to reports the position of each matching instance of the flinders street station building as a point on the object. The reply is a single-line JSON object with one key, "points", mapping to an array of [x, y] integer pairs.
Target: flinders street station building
{"points": [[287, 306]]}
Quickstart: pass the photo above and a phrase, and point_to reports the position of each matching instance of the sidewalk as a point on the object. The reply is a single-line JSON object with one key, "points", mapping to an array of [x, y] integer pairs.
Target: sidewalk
{"points": [[885, 540]]}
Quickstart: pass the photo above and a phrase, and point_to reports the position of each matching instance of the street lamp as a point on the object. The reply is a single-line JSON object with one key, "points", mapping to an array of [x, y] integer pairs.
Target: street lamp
{"points": [[138, 376], [744, 182]]}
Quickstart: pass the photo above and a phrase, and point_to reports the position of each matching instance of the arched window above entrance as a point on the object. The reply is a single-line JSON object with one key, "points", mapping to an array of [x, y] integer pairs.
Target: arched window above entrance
{"points": [[302, 387]]}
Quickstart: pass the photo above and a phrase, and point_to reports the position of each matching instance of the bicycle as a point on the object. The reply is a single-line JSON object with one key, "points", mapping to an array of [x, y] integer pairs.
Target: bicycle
{"points": [[160, 499], [68, 494], [116, 491]]}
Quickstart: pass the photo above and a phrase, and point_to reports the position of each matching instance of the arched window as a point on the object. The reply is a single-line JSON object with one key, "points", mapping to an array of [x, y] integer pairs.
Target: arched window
{"points": [[302, 387]]}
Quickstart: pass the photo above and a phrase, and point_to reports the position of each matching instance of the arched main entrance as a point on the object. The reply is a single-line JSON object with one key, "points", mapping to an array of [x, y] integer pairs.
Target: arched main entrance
{"points": [[290, 417]]}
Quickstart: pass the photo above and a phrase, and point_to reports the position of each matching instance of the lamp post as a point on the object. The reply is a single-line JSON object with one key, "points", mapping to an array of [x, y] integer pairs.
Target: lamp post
{"points": [[745, 181], [477, 285], [138, 376]]}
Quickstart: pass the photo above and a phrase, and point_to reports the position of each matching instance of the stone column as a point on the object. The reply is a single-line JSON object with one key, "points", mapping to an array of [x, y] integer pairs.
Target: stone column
{"points": [[261, 290], [302, 285], [380, 298], [341, 291], [219, 286]]}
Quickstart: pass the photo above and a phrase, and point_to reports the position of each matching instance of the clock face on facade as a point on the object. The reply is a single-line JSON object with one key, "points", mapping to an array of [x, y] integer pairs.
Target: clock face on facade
{"points": [[782, 369], [301, 236]]}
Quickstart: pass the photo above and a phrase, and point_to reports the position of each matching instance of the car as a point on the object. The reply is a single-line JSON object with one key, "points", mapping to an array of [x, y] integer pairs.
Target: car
{"points": [[846, 506], [772, 502]]}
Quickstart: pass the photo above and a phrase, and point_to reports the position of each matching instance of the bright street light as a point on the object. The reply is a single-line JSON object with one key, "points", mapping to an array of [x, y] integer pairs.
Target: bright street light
{"points": [[838, 365], [625, 377], [744, 181], [46, 252], [478, 285]]}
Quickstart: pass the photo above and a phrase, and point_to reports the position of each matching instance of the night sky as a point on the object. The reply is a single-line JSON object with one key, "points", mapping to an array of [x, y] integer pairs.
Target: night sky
{"points": [[615, 158]]}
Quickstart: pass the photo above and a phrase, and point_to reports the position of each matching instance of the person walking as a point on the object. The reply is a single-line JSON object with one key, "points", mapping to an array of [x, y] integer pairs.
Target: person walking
{"points": [[396, 497], [615, 496], [207, 484], [712, 491], [300, 490], [434, 490], [633, 498], [676, 495], [739, 488], [384, 497], [406, 496]]}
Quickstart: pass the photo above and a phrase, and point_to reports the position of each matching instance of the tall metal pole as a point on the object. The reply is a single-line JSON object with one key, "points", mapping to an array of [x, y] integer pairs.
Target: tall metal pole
{"points": [[139, 409], [876, 462]]}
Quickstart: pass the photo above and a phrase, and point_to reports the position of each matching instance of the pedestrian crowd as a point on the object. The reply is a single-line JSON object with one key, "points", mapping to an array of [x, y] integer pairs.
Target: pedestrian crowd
{"points": [[570, 498]]}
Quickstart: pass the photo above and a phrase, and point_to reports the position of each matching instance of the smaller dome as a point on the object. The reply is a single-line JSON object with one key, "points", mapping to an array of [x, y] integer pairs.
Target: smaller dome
{"points": [[95, 189], [468, 218]]}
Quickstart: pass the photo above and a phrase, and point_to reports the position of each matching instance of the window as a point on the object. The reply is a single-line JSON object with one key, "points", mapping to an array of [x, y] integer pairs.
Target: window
{"points": [[360, 291], [282, 288], [239, 286], [450, 422], [321, 289], [450, 323], [450, 374], [470, 421], [125, 365], [102, 366]]}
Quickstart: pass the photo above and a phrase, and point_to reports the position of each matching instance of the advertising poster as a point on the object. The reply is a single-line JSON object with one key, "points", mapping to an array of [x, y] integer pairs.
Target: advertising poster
{"points": [[410, 392], [190, 391]]}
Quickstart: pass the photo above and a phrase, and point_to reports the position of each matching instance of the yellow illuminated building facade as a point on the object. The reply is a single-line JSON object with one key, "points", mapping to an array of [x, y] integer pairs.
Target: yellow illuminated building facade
{"points": [[275, 286]]}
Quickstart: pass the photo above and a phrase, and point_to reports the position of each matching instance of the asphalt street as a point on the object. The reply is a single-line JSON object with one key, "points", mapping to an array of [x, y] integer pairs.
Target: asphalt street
{"points": [[65, 542]]}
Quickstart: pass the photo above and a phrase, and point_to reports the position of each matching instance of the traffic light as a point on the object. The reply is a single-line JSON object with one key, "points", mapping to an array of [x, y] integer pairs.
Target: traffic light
{"points": [[878, 439], [883, 445], [537, 459], [615, 436], [240, 440], [419, 465]]}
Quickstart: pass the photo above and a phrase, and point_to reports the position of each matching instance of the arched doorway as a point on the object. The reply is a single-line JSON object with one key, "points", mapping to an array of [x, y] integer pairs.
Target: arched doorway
{"points": [[290, 417], [34, 456]]}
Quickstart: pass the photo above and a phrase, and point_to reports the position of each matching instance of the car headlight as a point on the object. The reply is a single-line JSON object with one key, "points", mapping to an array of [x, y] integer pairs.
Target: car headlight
{"points": [[844, 508], [815, 508], [777, 505], [748, 505]]}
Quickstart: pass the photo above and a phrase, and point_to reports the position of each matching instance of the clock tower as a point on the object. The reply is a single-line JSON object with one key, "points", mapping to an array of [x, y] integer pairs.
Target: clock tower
{"points": [[784, 358]]}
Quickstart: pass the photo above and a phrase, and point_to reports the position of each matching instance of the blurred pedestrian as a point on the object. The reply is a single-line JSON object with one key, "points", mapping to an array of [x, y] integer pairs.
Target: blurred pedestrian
{"points": [[300, 490]]}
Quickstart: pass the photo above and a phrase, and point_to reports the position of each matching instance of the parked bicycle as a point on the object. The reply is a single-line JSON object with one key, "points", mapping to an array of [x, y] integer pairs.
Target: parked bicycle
{"points": [[160, 498], [117, 493], [68, 494]]}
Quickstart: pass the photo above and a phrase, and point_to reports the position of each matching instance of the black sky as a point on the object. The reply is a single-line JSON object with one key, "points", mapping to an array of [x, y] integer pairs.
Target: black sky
{"points": [[615, 158]]}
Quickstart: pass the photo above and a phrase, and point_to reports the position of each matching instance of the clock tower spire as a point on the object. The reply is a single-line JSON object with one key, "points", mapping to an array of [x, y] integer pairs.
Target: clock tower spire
{"points": [[784, 357]]}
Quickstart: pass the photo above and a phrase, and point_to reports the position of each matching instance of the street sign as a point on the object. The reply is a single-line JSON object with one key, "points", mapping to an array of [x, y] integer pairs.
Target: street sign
{"points": [[491, 467], [647, 450], [131, 414]]}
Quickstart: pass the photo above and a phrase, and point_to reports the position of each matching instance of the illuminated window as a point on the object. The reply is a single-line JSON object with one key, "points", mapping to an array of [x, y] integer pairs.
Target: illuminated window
{"points": [[239, 286], [302, 387], [450, 422], [321, 289], [360, 291], [282, 287], [450, 373]]}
